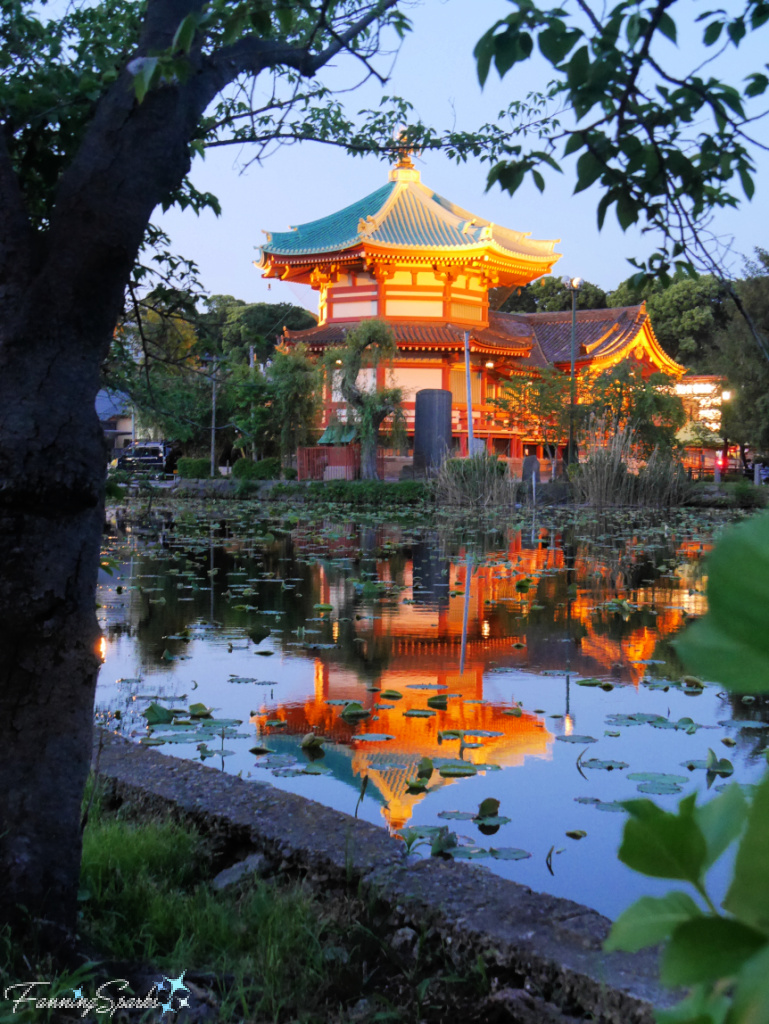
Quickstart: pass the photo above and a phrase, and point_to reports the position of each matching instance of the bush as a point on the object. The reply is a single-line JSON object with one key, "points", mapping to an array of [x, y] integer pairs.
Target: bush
{"points": [[194, 469], [290, 473], [368, 492], [747, 495], [265, 469]]}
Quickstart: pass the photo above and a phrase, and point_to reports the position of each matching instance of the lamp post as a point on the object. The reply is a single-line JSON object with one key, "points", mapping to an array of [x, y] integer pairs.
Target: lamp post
{"points": [[573, 284]]}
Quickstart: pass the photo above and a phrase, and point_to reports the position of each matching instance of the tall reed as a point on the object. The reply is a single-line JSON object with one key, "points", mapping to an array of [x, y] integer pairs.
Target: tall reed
{"points": [[480, 483], [613, 474]]}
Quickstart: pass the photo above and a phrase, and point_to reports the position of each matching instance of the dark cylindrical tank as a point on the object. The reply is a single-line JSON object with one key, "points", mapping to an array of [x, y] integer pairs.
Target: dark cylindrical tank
{"points": [[432, 429]]}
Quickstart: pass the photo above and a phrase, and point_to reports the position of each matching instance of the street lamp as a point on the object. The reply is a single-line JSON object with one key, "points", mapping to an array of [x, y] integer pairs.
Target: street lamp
{"points": [[573, 284]]}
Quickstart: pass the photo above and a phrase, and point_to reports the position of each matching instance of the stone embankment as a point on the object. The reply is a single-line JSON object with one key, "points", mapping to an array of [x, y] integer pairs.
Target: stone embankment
{"points": [[545, 952]]}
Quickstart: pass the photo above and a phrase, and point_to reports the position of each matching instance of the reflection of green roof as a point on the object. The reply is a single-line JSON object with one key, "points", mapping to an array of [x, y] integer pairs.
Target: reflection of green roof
{"points": [[334, 434], [404, 213]]}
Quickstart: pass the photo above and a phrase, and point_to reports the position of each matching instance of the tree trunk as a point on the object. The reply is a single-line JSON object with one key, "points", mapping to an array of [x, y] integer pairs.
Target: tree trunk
{"points": [[52, 464], [368, 466]]}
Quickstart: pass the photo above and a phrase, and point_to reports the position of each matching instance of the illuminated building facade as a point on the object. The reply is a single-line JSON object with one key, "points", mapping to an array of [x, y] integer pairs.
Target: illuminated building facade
{"points": [[408, 256]]}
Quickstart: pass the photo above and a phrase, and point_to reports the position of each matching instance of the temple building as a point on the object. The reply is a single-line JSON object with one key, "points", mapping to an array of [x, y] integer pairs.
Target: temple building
{"points": [[408, 256]]}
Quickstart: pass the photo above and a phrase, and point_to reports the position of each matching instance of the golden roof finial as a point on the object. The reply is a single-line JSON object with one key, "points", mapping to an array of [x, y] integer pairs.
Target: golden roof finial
{"points": [[404, 169]]}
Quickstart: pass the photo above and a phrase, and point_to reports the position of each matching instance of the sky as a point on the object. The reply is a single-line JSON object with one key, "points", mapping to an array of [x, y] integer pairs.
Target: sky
{"points": [[435, 71]]}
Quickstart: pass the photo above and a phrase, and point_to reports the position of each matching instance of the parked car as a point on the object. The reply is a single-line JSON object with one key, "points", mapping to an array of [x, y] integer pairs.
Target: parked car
{"points": [[147, 457]]}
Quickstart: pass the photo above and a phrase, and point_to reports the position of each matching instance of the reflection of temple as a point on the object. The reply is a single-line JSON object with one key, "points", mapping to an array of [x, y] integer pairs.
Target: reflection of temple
{"points": [[415, 738], [542, 595]]}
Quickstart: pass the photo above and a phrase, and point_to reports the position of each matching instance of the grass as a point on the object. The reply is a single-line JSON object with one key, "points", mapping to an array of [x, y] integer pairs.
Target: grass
{"points": [[263, 950]]}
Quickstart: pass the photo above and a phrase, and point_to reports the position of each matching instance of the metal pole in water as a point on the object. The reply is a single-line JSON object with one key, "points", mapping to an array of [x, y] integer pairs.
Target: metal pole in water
{"points": [[470, 440]]}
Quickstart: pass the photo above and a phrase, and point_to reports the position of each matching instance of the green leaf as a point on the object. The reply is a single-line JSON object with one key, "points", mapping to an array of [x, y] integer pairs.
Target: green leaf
{"points": [[731, 643], [145, 68], [185, 34], [707, 949], [650, 920], [712, 32], [748, 895], [457, 771], [661, 844], [425, 768], [668, 28], [751, 995], [157, 715]]}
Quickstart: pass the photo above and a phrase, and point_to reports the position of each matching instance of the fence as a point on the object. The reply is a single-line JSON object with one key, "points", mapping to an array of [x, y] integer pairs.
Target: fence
{"points": [[333, 462]]}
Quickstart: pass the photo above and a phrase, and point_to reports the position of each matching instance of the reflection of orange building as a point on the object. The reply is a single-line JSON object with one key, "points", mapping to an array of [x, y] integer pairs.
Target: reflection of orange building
{"points": [[414, 738], [547, 600]]}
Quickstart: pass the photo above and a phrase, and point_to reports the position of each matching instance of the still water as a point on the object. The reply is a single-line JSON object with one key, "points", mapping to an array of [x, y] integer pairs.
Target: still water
{"points": [[549, 643]]}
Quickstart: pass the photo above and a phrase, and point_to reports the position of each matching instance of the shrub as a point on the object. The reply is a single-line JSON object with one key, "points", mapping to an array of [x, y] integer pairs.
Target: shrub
{"points": [[290, 473], [747, 495], [194, 469], [265, 469]]}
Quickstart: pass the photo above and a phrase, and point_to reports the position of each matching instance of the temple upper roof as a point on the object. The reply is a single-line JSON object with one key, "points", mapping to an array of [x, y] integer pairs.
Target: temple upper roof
{"points": [[406, 215]]}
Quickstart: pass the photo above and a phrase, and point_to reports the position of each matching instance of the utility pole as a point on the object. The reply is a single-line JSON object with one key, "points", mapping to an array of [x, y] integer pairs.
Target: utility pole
{"points": [[470, 440], [573, 284]]}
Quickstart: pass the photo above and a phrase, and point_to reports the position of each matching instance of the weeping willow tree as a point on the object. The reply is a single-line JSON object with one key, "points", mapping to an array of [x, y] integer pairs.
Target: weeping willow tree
{"points": [[369, 406]]}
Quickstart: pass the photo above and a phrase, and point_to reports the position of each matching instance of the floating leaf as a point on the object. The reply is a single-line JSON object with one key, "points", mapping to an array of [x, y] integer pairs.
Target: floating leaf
{"points": [[600, 805], [508, 853], [576, 833], [577, 739], [157, 715], [468, 852], [373, 737], [311, 742], [457, 771], [418, 713], [456, 815], [609, 766]]}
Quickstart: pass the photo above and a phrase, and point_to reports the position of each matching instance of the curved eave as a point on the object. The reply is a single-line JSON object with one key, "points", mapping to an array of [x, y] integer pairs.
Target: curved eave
{"points": [[489, 256], [615, 350]]}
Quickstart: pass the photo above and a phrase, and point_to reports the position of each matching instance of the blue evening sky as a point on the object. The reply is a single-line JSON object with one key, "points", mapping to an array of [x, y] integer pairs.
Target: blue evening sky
{"points": [[435, 70]]}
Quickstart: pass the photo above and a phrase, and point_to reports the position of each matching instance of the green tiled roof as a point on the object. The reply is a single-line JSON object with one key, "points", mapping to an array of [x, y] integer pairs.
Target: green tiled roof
{"points": [[404, 214], [329, 234]]}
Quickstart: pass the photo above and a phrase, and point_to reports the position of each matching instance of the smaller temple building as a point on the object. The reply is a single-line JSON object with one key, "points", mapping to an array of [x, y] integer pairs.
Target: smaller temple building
{"points": [[407, 256]]}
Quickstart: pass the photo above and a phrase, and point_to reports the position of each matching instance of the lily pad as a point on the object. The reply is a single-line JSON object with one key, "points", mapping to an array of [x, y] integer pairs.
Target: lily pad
{"points": [[373, 737], [508, 853], [457, 771], [577, 739], [609, 766], [418, 713], [600, 805]]}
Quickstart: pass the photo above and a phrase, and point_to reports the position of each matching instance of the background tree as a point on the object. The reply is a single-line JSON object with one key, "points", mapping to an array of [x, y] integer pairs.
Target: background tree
{"points": [[547, 295], [540, 404], [275, 410], [746, 414], [665, 145], [686, 314], [232, 326], [622, 396], [366, 347]]}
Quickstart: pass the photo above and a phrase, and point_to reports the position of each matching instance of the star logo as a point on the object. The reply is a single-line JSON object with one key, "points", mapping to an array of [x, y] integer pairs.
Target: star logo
{"points": [[176, 985]]}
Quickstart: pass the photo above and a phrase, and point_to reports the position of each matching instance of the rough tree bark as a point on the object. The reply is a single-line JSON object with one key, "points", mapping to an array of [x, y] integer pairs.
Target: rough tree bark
{"points": [[61, 292]]}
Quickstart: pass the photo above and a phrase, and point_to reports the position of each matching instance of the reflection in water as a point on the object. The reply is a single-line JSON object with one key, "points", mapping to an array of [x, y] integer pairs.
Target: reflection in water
{"points": [[372, 610]]}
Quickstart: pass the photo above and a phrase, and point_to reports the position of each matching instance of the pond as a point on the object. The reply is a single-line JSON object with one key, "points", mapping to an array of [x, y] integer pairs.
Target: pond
{"points": [[531, 665]]}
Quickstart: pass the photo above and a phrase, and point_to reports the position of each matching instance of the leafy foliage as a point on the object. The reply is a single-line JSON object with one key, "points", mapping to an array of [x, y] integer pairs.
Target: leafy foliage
{"points": [[664, 145], [547, 295], [366, 347], [721, 956]]}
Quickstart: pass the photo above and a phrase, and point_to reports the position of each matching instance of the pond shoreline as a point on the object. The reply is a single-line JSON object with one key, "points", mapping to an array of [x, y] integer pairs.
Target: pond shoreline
{"points": [[547, 949]]}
